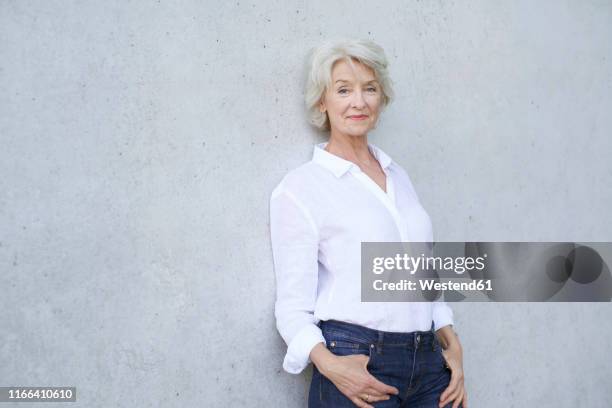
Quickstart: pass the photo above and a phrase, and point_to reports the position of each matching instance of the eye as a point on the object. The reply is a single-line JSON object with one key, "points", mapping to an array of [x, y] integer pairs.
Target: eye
{"points": [[372, 89], [342, 91]]}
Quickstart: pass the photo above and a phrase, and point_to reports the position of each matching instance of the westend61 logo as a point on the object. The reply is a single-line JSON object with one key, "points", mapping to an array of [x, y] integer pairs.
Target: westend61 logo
{"points": [[412, 264], [486, 271]]}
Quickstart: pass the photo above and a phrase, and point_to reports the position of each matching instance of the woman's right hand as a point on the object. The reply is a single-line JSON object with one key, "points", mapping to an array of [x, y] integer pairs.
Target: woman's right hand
{"points": [[350, 375]]}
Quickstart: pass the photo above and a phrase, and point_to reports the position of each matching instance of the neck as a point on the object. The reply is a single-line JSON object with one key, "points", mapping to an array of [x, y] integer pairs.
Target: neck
{"points": [[351, 148]]}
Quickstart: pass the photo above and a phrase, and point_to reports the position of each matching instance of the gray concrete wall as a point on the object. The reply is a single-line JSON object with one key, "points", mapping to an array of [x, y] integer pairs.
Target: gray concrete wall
{"points": [[140, 141]]}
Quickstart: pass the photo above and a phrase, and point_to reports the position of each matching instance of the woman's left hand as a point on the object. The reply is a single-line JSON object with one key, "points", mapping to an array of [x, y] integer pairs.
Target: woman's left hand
{"points": [[456, 389]]}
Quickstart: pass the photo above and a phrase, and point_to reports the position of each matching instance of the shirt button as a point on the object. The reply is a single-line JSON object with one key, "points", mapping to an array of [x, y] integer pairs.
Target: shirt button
{"points": [[332, 344]]}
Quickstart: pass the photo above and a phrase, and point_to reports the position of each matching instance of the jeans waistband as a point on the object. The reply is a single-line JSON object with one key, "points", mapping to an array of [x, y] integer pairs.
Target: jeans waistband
{"points": [[380, 337]]}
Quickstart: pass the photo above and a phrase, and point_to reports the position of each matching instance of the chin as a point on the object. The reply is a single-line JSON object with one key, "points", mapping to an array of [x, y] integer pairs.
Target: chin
{"points": [[359, 132]]}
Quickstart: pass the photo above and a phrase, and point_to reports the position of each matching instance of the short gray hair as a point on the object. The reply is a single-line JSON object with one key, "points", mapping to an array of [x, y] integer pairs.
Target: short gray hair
{"points": [[320, 61]]}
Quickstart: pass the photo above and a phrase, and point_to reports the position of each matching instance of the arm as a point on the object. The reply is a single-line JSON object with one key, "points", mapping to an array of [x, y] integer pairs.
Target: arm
{"points": [[448, 338], [453, 354], [295, 243], [443, 322], [323, 359]]}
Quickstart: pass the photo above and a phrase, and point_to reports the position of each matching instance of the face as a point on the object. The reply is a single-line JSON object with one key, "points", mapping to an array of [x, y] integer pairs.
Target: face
{"points": [[353, 102]]}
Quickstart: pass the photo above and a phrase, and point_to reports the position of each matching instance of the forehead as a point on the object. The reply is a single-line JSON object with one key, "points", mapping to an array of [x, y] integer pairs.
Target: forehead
{"points": [[342, 70]]}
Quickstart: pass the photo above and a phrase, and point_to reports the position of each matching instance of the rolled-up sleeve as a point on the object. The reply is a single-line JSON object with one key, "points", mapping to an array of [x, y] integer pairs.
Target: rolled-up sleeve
{"points": [[295, 243], [442, 314]]}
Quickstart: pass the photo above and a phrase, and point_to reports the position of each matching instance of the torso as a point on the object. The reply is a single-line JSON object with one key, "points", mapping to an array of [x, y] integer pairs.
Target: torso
{"points": [[378, 176], [375, 172]]}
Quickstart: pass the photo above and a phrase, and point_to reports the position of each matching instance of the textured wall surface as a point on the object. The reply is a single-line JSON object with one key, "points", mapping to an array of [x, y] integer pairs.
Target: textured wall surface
{"points": [[140, 141]]}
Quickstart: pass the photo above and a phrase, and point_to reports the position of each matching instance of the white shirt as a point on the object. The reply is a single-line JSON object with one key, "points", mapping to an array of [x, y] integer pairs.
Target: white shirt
{"points": [[320, 213]]}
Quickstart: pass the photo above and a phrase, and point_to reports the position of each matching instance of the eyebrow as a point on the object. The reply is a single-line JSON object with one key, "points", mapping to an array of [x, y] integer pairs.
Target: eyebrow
{"points": [[344, 80]]}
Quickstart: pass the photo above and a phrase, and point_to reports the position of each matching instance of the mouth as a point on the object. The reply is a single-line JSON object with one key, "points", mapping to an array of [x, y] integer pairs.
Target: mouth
{"points": [[358, 117]]}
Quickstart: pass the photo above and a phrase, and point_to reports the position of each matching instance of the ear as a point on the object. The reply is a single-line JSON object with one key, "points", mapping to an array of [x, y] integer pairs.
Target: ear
{"points": [[322, 108]]}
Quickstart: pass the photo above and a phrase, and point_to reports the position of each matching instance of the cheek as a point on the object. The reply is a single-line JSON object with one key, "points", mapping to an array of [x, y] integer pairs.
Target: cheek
{"points": [[339, 107], [377, 101], [338, 100], [374, 103]]}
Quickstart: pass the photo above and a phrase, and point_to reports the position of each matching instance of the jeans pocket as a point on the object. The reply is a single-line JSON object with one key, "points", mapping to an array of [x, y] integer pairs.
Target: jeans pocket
{"points": [[344, 346], [443, 359], [439, 354], [341, 346]]}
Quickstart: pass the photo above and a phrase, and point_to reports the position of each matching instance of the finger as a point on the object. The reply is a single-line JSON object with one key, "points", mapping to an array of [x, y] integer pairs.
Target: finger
{"points": [[451, 397], [360, 403], [452, 385], [381, 387], [458, 399], [451, 390], [373, 398], [448, 391], [374, 392]]}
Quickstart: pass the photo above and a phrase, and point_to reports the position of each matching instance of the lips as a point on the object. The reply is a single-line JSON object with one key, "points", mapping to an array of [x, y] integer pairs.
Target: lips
{"points": [[358, 117]]}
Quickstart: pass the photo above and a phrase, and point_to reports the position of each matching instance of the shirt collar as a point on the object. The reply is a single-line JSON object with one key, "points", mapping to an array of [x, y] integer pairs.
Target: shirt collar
{"points": [[338, 165]]}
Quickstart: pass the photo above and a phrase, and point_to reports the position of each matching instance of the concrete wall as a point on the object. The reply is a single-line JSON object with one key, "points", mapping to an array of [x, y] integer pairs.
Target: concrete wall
{"points": [[140, 141]]}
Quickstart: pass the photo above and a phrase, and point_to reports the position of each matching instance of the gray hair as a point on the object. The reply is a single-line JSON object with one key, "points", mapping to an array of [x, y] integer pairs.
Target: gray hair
{"points": [[320, 61]]}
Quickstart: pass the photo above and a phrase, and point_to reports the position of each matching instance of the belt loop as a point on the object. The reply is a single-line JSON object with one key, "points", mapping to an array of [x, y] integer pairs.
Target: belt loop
{"points": [[434, 340], [381, 336]]}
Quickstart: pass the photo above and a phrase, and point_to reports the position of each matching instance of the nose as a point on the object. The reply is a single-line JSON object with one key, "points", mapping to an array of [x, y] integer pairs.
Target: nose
{"points": [[358, 100]]}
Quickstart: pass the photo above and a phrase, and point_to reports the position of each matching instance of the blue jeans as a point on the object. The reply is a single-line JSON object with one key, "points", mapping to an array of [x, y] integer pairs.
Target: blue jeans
{"points": [[411, 362]]}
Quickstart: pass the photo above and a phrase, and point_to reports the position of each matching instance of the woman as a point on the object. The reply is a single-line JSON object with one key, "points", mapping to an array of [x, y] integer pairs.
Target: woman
{"points": [[381, 354]]}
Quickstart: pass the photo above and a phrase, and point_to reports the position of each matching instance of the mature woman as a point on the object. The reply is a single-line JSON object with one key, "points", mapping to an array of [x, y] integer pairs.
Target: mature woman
{"points": [[377, 354]]}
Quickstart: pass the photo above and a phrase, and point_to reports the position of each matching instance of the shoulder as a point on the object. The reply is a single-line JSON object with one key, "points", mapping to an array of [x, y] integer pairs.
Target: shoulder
{"points": [[299, 181], [296, 192], [403, 179], [400, 171]]}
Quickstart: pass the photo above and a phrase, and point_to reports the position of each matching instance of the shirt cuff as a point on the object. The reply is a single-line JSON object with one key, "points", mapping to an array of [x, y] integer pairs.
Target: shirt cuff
{"points": [[442, 315], [298, 352]]}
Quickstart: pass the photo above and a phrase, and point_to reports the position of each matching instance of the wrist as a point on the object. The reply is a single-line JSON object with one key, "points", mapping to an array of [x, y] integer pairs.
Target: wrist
{"points": [[323, 359], [454, 347], [448, 338], [327, 365]]}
